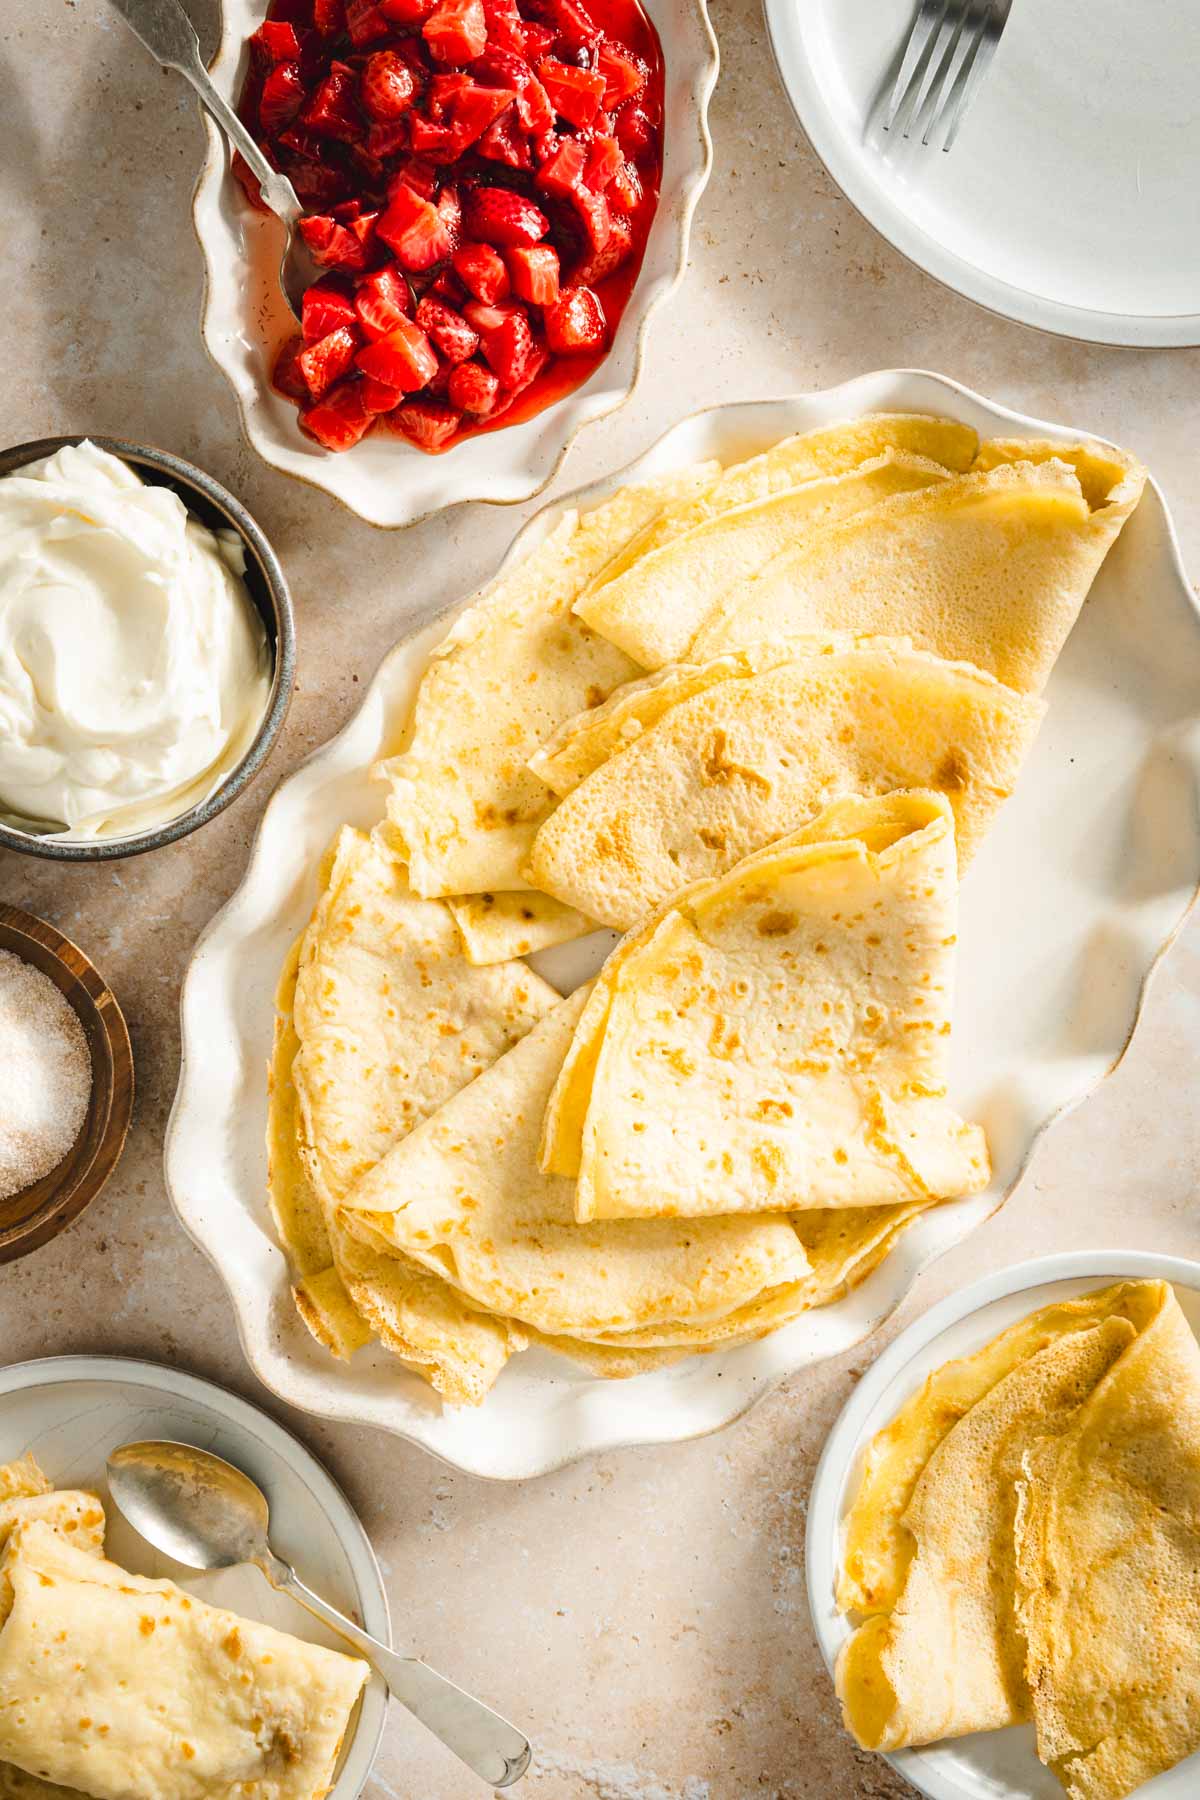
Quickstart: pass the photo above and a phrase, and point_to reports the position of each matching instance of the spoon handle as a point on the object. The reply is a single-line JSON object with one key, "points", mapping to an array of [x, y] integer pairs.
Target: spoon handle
{"points": [[168, 34], [496, 1750]]}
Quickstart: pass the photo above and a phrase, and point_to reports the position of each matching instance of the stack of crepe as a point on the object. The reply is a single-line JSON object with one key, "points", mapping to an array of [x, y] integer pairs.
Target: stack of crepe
{"points": [[1025, 1545], [115, 1685], [757, 719]]}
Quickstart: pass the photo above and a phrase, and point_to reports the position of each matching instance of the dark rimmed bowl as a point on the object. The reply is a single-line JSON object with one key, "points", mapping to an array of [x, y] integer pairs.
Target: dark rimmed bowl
{"points": [[217, 508]]}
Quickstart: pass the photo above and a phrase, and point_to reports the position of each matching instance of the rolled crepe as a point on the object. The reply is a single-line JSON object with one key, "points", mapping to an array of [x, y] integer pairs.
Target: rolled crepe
{"points": [[130, 1689]]}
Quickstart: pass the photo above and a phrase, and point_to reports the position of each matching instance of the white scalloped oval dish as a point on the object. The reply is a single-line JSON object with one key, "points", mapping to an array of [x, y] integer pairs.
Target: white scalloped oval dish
{"points": [[1084, 878], [385, 480], [986, 1765]]}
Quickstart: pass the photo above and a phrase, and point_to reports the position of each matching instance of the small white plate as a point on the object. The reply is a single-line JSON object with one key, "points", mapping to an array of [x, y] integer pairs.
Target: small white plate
{"points": [[71, 1411], [385, 480], [1070, 199], [988, 1765], [1083, 879]]}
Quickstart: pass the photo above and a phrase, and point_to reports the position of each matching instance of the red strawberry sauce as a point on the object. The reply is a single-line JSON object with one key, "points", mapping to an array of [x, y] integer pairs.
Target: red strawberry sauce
{"points": [[479, 179]]}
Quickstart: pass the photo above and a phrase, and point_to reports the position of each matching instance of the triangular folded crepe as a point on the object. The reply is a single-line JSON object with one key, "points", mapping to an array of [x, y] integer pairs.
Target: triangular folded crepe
{"points": [[463, 805], [498, 927], [655, 607], [463, 1196], [779, 1038], [757, 756], [807, 456], [381, 1021], [990, 568], [1026, 1538]]}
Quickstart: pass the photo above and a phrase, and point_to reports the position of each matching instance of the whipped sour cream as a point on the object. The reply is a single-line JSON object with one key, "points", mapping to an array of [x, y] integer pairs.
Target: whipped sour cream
{"points": [[134, 668]]}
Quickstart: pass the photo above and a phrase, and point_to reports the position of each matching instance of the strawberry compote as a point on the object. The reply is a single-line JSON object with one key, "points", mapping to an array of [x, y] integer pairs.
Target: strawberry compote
{"points": [[479, 179]]}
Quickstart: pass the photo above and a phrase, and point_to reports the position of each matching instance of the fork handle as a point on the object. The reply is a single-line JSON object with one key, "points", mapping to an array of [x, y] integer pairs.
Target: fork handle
{"points": [[169, 35]]}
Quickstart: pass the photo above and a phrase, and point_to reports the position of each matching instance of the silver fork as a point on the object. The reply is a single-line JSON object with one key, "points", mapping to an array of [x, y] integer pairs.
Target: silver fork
{"points": [[945, 60]]}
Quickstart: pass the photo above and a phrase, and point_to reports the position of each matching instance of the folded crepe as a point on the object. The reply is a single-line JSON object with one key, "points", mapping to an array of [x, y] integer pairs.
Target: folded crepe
{"points": [[463, 1196], [990, 568], [498, 927], [463, 805], [615, 608], [655, 607], [779, 1038], [380, 1018], [1026, 1538], [118, 1686], [753, 758]]}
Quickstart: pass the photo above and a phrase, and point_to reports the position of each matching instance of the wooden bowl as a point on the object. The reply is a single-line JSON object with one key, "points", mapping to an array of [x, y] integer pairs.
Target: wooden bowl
{"points": [[39, 1212]]}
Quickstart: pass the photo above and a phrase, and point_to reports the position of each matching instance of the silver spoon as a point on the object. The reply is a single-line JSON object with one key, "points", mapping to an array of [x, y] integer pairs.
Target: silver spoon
{"points": [[207, 1514], [168, 34]]}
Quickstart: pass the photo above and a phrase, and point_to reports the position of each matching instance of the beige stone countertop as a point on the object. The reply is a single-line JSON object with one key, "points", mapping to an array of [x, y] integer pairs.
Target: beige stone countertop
{"points": [[643, 1613]]}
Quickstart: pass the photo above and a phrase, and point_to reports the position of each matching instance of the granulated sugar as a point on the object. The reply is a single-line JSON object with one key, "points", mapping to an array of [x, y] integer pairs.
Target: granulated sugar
{"points": [[45, 1075]]}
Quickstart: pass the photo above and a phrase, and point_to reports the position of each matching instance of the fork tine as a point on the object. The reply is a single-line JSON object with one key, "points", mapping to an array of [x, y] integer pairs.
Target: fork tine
{"points": [[972, 77], [972, 27], [928, 15], [935, 68]]}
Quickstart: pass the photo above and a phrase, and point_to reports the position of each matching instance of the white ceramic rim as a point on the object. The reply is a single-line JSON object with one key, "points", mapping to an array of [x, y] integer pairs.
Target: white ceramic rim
{"points": [[370, 1592], [425, 484], [878, 391], [823, 1528], [1128, 330]]}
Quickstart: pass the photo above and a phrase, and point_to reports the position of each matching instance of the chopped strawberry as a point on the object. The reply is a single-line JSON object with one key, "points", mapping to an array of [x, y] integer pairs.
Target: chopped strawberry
{"points": [[473, 111], [346, 211], [365, 21], [406, 12], [436, 143], [447, 330], [575, 94], [387, 85], [282, 97], [504, 26], [287, 374], [328, 360], [594, 216], [604, 159], [386, 139], [382, 302], [624, 75], [363, 228], [576, 323], [316, 184], [446, 286], [624, 191], [456, 32], [449, 209], [562, 173], [334, 245], [536, 40], [276, 41], [635, 130], [508, 348], [534, 274], [482, 317], [576, 25], [546, 145], [444, 89], [415, 230], [482, 272], [338, 420], [533, 368], [376, 396], [416, 174], [329, 17], [404, 359], [502, 143], [425, 422], [600, 264], [326, 305], [332, 110], [496, 215], [473, 389]]}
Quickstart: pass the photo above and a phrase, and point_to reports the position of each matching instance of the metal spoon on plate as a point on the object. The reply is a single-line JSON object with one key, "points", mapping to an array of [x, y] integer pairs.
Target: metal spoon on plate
{"points": [[203, 1512], [168, 34]]}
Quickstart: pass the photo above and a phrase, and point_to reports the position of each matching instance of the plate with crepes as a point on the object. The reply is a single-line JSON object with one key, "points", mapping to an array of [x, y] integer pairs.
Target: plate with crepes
{"points": [[757, 703], [1018, 1472]]}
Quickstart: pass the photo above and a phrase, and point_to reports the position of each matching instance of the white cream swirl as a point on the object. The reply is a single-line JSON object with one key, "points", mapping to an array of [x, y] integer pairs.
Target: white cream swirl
{"points": [[134, 668]]}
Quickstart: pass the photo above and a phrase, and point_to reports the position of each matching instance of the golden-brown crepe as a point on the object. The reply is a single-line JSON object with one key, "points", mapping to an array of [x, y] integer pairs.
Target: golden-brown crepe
{"points": [[121, 1686], [731, 769], [779, 1037], [990, 568], [498, 927], [1026, 1539]]}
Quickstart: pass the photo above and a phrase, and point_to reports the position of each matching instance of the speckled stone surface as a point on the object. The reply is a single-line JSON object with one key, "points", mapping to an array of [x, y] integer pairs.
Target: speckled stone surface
{"points": [[642, 1613]]}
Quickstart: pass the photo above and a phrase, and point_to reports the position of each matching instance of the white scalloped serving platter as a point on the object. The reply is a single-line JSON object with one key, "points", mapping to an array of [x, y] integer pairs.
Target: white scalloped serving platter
{"points": [[1082, 882], [384, 479]]}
